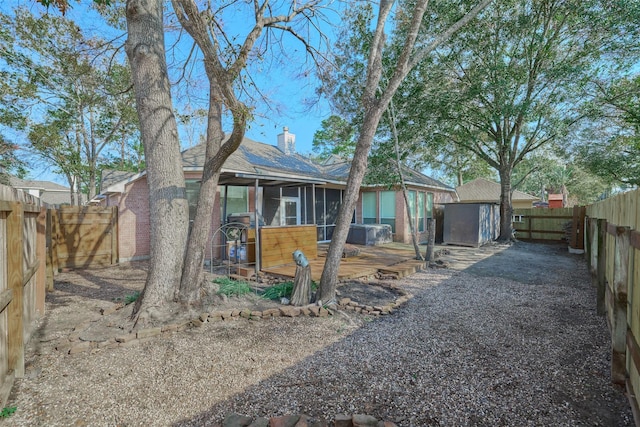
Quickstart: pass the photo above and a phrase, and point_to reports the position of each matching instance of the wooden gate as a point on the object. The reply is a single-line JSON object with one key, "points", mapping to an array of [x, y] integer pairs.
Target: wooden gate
{"points": [[84, 237]]}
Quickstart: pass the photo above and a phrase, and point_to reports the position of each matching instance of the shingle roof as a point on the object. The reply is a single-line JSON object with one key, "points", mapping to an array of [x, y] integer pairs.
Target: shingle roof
{"points": [[484, 190], [49, 192], [254, 158], [112, 176]]}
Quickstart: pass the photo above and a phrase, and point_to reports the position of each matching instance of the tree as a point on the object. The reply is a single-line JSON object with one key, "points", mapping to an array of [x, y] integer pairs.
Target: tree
{"points": [[224, 62], [70, 99], [610, 146], [510, 83], [376, 96], [548, 171], [336, 137], [223, 65], [8, 161], [159, 133]]}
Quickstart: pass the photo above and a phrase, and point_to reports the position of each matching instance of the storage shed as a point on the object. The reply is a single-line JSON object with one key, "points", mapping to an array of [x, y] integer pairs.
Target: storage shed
{"points": [[471, 224]]}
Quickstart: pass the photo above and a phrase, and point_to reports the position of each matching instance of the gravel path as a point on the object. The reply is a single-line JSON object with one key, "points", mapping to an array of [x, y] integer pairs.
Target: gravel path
{"points": [[470, 349]]}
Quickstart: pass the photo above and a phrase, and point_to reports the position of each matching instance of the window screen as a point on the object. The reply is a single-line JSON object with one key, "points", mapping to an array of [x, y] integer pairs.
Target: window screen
{"points": [[388, 209], [369, 210]]}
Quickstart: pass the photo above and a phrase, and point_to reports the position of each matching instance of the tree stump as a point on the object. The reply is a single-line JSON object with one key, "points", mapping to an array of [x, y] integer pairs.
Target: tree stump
{"points": [[301, 294]]}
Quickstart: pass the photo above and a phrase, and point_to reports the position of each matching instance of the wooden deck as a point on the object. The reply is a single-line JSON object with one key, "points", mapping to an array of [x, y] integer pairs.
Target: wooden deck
{"points": [[392, 259]]}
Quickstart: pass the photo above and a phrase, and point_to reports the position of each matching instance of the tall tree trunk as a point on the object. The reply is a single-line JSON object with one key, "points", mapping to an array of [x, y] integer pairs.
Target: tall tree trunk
{"points": [[396, 145], [192, 273], [373, 109], [329, 279], [216, 153], [169, 211], [506, 227]]}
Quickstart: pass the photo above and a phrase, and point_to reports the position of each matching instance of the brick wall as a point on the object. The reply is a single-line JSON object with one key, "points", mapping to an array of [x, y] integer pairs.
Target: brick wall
{"points": [[133, 220]]}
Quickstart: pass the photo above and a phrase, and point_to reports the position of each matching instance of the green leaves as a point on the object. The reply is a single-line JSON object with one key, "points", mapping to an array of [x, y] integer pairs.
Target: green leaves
{"points": [[67, 94]]}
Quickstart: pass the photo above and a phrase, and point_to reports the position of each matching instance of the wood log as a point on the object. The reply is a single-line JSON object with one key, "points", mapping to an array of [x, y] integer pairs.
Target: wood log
{"points": [[301, 294]]}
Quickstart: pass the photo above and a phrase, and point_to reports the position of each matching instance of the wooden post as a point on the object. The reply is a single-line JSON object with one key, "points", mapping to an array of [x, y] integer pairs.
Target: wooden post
{"points": [[621, 284], [114, 235], [601, 265], [577, 228], [50, 268], [431, 239], [15, 276], [41, 248]]}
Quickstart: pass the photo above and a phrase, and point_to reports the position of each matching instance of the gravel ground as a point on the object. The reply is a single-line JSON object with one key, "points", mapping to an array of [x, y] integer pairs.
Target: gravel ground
{"points": [[472, 348]]}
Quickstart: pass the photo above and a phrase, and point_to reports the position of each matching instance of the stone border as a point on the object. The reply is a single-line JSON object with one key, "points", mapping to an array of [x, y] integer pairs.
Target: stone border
{"points": [[358, 420], [74, 344]]}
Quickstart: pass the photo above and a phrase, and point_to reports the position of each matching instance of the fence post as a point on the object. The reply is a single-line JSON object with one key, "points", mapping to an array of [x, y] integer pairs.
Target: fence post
{"points": [[15, 276], [601, 265], [114, 235], [619, 306], [41, 249]]}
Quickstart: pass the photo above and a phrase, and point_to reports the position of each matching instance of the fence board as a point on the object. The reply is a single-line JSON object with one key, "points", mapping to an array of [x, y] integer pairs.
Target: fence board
{"points": [[21, 280], [84, 237], [619, 219], [544, 224]]}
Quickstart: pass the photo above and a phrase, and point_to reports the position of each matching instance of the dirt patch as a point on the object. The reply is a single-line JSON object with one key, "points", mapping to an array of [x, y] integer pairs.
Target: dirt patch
{"points": [[84, 300]]}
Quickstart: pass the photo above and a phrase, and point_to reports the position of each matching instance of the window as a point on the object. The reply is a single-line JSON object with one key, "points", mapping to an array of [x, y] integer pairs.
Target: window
{"points": [[192, 187], [327, 205], [388, 209], [420, 213], [429, 205], [369, 210], [237, 199]]}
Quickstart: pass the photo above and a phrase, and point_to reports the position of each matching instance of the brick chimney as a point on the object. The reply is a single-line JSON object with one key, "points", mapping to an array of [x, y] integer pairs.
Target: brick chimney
{"points": [[287, 141]]}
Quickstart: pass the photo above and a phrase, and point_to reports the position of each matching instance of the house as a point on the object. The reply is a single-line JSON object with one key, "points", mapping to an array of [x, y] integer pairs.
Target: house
{"points": [[49, 192], [482, 190], [285, 188]]}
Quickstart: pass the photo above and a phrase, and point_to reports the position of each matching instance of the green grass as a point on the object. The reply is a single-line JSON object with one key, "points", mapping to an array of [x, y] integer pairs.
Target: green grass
{"points": [[230, 287], [7, 411], [284, 289], [128, 299], [281, 290], [131, 298]]}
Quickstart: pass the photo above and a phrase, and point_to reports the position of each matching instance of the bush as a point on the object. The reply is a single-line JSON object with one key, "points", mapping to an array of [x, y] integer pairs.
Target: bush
{"points": [[281, 290], [230, 287]]}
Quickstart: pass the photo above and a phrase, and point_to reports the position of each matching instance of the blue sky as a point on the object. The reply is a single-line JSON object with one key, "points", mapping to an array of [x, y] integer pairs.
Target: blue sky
{"points": [[286, 90]]}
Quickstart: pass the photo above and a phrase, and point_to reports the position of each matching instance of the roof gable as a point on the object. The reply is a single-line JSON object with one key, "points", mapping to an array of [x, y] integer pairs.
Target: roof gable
{"points": [[484, 190]]}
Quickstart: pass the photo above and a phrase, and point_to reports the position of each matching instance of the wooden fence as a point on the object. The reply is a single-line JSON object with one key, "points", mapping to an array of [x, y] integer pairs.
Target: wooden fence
{"points": [[613, 254], [83, 237], [551, 225], [22, 280]]}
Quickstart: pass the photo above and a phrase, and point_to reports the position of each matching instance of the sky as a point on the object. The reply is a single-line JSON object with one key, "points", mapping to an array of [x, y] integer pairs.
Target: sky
{"points": [[286, 88]]}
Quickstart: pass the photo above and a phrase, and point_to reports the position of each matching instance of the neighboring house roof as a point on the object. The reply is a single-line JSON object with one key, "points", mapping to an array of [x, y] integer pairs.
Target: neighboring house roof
{"points": [[48, 192], [484, 190], [256, 160]]}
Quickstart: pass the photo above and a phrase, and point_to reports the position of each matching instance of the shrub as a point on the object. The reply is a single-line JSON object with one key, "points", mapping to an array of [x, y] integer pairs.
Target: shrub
{"points": [[230, 287], [278, 291]]}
